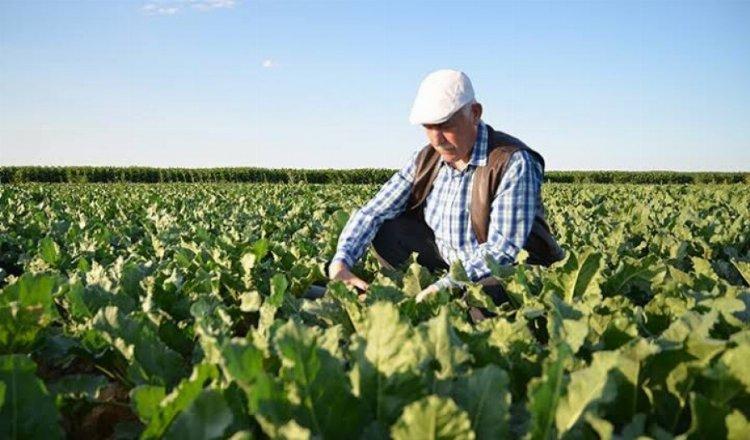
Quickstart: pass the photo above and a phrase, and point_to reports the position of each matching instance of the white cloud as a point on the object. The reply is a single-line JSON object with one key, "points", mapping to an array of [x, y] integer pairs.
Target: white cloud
{"points": [[205, 5], [269, 63], [172, 7], [155, 9]]}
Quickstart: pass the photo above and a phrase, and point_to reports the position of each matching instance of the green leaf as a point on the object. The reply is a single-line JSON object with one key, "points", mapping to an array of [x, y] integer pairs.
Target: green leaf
{"points": [[744, 268], [485, 396], [279, 285], [49, 251], [587, 387], [292, 431], [326, 404], [416, 277], [431, 418], [441, 343], [205, 418], [242, 362], [146, 400], [632, 272], [458, 273], [26, 307], [567, 324], [738, 428], [545, 393], [708, 419], [349, 303], [174, 403], [602, 427], [29, 410], [385, 375], [631, 397], [77, 305], [248, 262], [137, 339], [579, 276], [250, 301]]}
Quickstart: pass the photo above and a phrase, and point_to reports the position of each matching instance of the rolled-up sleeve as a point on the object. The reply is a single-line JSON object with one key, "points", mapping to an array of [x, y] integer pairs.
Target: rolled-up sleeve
{"points": [[388, 203]]}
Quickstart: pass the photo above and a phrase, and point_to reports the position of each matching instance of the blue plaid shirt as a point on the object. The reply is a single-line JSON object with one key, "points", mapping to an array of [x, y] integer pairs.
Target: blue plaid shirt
{"points": [[447, 208]]}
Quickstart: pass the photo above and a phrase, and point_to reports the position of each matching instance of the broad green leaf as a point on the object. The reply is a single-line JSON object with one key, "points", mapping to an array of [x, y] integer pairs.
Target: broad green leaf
{"points": [[146, 400], [545, 393], [385, 374], [26, 307], [243, 363], [279, 285], [416, 277], [205, 418], [691, 324], [292, 431], [579, 276], [602, 427], [390, 344], [326, 405], [76, 303], [738, 427], [631, 397], [589, 386], [632, 272], [708, 419], [433, 418], [29, 410], [175, 402], [49, 251], [151, 360], [744, 268], [441, 343], [485, 396], [250, 301], [349, 303], [737, 363], [567, 324]]}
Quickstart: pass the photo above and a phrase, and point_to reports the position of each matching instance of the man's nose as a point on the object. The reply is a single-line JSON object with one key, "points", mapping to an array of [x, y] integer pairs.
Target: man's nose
{"points": [[437, 134]]}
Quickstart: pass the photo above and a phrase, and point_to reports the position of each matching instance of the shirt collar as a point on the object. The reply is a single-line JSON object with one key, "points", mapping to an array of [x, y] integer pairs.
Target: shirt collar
{"points": [[479, 151]]}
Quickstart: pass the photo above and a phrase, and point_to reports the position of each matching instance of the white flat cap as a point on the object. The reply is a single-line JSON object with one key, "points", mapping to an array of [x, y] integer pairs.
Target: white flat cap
{"points": [[441, 94]]}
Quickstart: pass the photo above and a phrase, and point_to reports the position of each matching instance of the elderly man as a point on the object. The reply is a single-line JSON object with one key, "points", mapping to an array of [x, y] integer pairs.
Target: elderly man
{"points": [[473, 193]]}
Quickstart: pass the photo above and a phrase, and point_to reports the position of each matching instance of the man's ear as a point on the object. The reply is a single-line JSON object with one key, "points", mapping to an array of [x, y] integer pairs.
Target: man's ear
{"points": [[476, 113]]}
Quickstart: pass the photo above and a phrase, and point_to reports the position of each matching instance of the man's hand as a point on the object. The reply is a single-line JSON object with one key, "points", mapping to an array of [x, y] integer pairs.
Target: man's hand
{"points": [[338, 271], [429, 290]]}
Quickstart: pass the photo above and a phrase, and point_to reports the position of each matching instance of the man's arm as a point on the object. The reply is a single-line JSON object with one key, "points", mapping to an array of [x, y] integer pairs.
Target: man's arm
{"points": [[511, 217], [361, 228]]}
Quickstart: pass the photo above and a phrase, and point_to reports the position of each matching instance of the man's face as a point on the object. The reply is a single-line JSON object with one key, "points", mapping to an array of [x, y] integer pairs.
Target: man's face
{"points": [[454, 138]]}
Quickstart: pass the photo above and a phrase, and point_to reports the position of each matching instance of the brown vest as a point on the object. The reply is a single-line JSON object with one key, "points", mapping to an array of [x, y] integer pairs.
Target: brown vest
{"points": [[541, 245]]}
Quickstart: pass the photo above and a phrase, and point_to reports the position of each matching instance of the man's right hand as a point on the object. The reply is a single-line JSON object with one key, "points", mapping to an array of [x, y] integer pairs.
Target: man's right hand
{"points": [[339, 271]]}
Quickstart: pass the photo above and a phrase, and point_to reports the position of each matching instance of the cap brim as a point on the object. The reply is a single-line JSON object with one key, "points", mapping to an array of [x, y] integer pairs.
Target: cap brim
{"points": [[421, 119]]}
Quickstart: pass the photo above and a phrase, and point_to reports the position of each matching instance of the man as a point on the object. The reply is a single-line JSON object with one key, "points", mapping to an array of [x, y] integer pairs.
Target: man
{"points": [[473, 193]]}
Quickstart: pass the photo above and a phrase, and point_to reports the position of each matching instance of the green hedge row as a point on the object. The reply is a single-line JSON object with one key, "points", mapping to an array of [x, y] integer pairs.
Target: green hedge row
{"points": [[356, 176]]}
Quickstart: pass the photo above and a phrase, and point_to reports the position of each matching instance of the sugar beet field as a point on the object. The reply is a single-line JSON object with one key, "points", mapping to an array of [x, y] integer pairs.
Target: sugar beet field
{"points": [[175, 311]]}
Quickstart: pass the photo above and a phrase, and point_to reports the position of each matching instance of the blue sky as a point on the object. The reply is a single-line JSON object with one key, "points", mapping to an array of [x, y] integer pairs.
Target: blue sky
{"points": [[329, 84]]}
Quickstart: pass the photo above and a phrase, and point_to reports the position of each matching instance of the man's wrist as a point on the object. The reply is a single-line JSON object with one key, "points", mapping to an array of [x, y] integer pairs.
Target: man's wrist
{"points": [[341, 257], [445, 282]]}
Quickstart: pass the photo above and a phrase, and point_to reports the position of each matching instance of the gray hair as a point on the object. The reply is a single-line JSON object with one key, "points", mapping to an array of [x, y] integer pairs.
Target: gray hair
{"points": [[466, 109]]}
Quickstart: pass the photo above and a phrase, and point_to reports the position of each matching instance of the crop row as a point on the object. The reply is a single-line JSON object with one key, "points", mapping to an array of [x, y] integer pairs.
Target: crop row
{"points": [[351, 176]]}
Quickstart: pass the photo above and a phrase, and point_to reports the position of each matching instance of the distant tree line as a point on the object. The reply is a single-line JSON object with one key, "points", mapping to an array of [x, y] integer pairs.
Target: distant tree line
{"points": [[26, 174]]}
